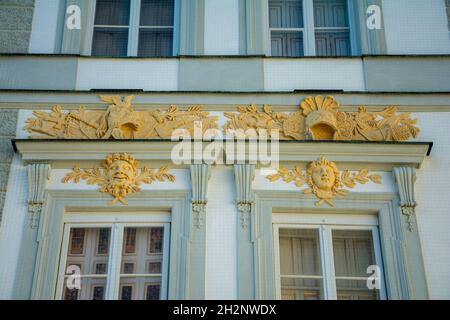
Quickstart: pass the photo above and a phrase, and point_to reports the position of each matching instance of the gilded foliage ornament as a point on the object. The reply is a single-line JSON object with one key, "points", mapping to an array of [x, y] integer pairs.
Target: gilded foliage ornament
{"points": [[319, 118], [119, 121], [324, 179], [119, 176]]}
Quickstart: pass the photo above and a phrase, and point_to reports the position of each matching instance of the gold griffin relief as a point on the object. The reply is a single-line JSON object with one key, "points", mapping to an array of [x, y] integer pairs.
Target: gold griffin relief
{"points": [[119, 121]]}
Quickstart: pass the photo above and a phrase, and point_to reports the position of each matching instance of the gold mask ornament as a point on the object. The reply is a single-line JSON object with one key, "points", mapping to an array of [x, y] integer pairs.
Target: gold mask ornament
{"points": [[119, 176], [324, 179]]}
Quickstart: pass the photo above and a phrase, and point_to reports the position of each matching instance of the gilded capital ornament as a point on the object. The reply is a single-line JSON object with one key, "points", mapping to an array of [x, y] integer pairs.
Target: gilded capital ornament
{"points": [[324, 179], [319, 118], [118, 121], [119, 176]]}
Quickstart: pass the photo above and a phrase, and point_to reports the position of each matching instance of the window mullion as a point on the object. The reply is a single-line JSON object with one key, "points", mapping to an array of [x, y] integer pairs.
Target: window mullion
{"points": [[133, 32], [114, 261], [326, 249], [309, 38]]}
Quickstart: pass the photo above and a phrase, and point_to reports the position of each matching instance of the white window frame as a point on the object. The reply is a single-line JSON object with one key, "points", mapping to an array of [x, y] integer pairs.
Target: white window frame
{"points": [[117, 222], [133, 28], [309, 29], [325, 224]]}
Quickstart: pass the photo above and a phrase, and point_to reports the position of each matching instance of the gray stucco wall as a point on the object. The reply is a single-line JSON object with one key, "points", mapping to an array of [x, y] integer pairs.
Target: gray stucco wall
{"points": [[8, 121], [16, 17]]}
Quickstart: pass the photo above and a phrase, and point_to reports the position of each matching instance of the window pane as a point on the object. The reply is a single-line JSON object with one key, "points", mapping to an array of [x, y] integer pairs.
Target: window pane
{"points": [[285, 14], [353, 253], [301, 289], [155, 42], [355, 290], [287, 44], [330, 13], [300, 266], [110, 42], [103, 241], [140, 288], [112, 12], [141, 271], [333, 43], [157, 12], [299, 252], [88, 258]]}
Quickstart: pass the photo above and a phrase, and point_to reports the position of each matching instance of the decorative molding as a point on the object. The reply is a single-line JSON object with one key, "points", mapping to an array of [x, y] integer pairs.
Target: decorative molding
{"points": [[406, 178], [200, 174], [38, 175], [380, 156], [119, 176], [319, 118], [243, 176], [324, 179], [119, 121]]}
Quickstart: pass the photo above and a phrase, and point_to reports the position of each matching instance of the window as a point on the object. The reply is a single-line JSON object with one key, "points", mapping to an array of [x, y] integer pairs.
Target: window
{"points": [[327, 262], [92, 252], [133, 28], [331, 28], [309, 27]]}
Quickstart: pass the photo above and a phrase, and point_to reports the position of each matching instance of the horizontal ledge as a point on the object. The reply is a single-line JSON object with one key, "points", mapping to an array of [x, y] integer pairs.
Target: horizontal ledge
{"points": [[388, 154]]}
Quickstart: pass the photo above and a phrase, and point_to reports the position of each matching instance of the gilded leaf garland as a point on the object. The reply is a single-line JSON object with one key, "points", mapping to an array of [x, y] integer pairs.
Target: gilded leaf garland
{"points": [[119, 176], [324, 179]]}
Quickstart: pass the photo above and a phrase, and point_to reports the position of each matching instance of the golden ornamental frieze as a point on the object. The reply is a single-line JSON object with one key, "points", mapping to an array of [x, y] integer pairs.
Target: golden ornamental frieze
{"points": [[119, 121], [324, 179], [319, 118], [119, 176]]}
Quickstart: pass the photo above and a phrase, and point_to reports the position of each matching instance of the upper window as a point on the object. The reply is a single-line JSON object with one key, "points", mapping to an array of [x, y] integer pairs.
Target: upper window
{"points": [[133, 28], [325, 24]]}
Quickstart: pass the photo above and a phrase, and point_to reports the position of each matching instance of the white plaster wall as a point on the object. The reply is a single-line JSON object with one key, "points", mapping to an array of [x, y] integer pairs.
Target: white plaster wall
{"points": [[222, 27], [11, 229], [314, 74], [416, 27], [433, 211], [146, 74], [44, 27], [221, 246]]}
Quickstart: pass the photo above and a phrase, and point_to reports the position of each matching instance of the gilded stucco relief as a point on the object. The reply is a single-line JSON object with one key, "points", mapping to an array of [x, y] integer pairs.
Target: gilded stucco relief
{"points": [[324, 179], [119, 121], [119, 176], [319, 118]]}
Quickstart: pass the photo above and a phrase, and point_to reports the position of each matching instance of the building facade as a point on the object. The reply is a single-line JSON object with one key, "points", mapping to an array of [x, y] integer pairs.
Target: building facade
{"points": [[99, 201]]}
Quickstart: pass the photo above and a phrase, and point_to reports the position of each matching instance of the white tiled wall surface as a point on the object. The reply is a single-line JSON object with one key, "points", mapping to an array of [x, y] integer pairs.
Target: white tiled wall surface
{"points": [[222, 27], [416, 27], [14, 218], [313, 74], [433, 211], [150, 74]]}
